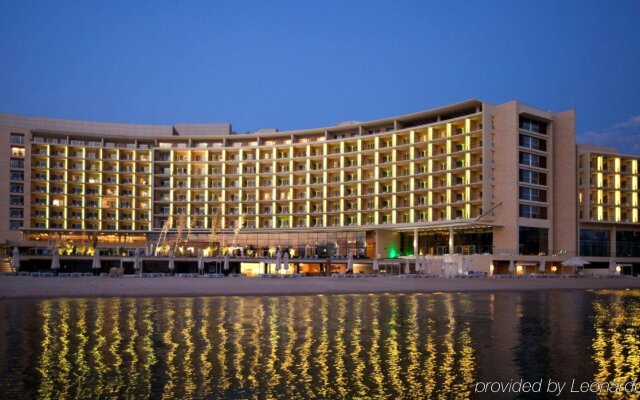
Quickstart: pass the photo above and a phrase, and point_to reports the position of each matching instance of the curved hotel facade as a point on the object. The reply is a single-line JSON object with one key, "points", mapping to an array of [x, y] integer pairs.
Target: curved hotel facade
{"points": [[506, 181]]}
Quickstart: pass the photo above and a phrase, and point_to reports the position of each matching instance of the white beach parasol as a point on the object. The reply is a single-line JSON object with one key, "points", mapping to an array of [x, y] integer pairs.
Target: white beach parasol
{"points": [[95, 264], [278, 261], [226, 263], [137, 262], [285, 263], [55, 260], [575, 262], [200, 261], [15, 259], [172, 262]]}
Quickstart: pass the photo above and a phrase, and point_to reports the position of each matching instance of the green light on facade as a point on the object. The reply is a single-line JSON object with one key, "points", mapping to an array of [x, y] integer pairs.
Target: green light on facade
{"points": [[393, 252]]}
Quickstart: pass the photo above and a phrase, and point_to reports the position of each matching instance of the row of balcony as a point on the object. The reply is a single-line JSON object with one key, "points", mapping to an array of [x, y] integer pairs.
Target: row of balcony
{"points": [[90, 181], [440, 182], [268, 195], [384, 156], [71, 217], [366, 218], [246, 209], [80, 158], [626, 184], [438, 132], [284, 169], [438, 148], [457, 134]]}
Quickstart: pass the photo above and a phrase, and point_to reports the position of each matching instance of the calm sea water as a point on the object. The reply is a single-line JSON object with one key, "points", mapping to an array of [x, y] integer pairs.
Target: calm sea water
{"points": [[342, 346]]}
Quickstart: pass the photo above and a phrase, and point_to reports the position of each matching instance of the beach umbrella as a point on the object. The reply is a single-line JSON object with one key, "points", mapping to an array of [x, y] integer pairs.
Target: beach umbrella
{"points": [[612, 266], [15, 259], [55, 260], [407, 267], [172, 263], [200, 261], [285, 263], [512, 266], [226, 263], [96, 260], [376, 265], [137, 262], [278, 261], [350, 263], [543, 265], [575, 262]]}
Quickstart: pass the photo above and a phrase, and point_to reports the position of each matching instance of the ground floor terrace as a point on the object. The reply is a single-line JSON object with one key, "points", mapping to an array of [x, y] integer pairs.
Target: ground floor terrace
{"points": [[445, 266], [386, 242], [452, 249]]}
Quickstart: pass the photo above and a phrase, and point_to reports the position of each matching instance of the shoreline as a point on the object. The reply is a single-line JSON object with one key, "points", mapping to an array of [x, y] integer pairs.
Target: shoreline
{"points": [[13, 288]]}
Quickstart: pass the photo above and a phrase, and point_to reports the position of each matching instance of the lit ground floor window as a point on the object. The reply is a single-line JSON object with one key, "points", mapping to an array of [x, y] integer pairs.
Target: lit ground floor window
{"points": [[436, 242]]}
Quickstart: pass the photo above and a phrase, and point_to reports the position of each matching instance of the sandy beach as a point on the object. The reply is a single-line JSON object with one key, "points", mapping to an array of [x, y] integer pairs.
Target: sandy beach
{"points": [[28, 287]]}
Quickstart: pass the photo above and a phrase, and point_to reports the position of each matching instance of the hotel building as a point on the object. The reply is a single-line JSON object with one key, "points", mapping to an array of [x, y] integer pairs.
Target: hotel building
{"points": [[507, 181], [608, 206]]}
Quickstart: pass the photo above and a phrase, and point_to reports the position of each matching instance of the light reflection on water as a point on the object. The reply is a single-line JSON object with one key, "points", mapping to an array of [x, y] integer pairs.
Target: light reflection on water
{"points": [[343, 346]]}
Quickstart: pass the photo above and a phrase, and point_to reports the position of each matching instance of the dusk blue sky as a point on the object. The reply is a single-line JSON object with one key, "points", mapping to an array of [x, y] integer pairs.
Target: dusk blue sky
{"points": [[304, 64]]}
